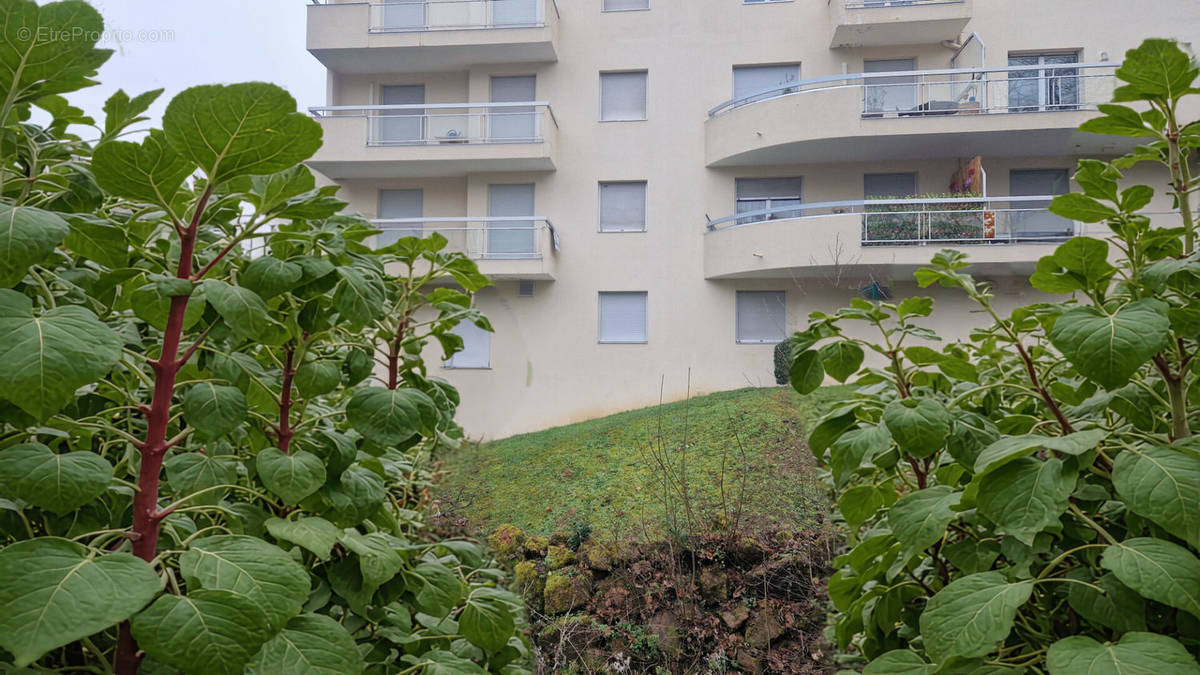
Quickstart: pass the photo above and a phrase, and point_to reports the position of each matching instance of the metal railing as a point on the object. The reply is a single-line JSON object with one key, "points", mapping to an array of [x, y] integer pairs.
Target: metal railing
{"points": [[449, 123], [873, 4], [908, 222], [403, 16], [485, 238], [958, 91]]}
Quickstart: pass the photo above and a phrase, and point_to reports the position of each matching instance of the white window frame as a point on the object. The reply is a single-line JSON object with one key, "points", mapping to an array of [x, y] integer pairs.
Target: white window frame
{"points": [[600, 318], [770, 201], [737, 318], [645, 103], [449, 364], [604, 8], [600, 206]]}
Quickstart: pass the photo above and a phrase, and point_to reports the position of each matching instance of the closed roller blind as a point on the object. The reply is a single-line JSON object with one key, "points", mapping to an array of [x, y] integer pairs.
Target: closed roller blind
{"points": [[623, 207], [768, 188], [890, 184], [618, 5], [749, 79], [761, 316], [400, 204], [477, 347], [623, 317], [623, 96]]}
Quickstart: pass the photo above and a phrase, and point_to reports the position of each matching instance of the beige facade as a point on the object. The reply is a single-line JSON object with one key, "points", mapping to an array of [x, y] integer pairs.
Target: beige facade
{"points": [[1006, 81]]}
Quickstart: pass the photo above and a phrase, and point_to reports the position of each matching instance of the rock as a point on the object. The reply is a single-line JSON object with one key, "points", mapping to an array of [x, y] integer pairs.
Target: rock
{"points": [[567, 590], [748, 661], [597, 556], [763, 628], [558, 557], [665, 627], [735, 615], [529, 582], [537, 545], [714, 585], [506, 541]]}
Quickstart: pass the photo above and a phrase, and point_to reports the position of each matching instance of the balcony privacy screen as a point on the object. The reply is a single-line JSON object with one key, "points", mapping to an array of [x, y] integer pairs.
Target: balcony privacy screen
{"points": [[623, 317], [400, 204], [623, 207], [618, 5], [623, 96], [477, 347], [749, 79], [761, 316]]}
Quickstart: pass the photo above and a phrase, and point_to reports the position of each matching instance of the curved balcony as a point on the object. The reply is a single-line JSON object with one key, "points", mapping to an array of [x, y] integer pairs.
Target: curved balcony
{"points": [[1003, 235], [520, 247], [1012, 112], [434, 139], [357, 37]]}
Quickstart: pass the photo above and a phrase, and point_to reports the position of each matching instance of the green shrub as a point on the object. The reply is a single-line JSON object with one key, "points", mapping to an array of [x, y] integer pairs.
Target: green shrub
{"points": [[1028, 499], [783, 362]]}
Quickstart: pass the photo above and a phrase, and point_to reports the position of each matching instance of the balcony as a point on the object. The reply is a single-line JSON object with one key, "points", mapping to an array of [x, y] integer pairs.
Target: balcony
{"points": [[521, 247], [399, 36], [925, 114], [881, 23], [895, 236], [447, 139]]}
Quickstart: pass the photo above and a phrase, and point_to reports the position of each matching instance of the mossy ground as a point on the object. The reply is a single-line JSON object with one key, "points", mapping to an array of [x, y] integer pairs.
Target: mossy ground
{"points": [[746, 461]]}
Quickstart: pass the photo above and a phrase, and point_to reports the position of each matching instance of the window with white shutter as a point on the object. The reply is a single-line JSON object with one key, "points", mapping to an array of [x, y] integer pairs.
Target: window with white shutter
{"points": [[625, 5], [623, 206], [623, 316], [623, 96], [761, 317], [477, 347]]}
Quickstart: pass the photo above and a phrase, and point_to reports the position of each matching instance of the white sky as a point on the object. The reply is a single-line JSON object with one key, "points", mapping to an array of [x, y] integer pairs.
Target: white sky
{"points": [[175, 44]]}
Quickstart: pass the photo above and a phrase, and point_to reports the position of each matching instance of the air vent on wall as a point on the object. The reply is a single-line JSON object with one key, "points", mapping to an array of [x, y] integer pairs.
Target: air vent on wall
{"points": [[525, 288]]}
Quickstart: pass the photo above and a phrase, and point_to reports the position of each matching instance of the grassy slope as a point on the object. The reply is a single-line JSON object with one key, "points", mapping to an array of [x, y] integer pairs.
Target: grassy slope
{"points": [[606, 471]]}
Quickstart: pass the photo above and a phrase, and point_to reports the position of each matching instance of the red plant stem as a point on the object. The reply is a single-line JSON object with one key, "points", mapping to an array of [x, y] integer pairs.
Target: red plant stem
{"points": [[1063, 422], [285, 400], [146, 516]]}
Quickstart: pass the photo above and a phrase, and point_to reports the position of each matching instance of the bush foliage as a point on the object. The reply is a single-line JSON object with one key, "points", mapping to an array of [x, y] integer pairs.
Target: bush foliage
{"points": [[1027, 500], [197, 471]]}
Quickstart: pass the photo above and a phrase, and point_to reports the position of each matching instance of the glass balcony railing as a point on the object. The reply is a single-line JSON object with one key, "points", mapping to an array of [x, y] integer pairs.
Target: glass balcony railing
{"points": [[957, 91], [485, 238], [394, 16], [874, 4], [449, 123]]}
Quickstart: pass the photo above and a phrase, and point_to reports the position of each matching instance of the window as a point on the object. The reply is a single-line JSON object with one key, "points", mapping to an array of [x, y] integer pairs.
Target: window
{"points": [[1030, 219], [623, 207], [751, 80], [767, 194], [761, 317], [892, 93], [625, 5], [1048, 88], [509, 239], [397, 205], [525, 288], [516, 123], [623, 317], [477, 347], [889, 185], [623, 96], [405, 125]]}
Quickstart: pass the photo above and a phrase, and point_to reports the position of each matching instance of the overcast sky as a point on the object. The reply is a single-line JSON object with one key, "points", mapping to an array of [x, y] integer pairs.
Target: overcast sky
{"points": [[174, 44]]}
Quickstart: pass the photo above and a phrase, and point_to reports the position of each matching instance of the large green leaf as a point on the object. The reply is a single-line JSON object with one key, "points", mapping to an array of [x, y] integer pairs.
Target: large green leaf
{"points": [[360, 295], [190, 472], [27, 235], [315, 534], [1076, 206], [150, 172], [56, 591], [1163, 485], [487, 621], [269, 276], [918, 425], [1026, 496], [121, 111], [1109, 348], [1135, 654], [436, 588], [1158, 570], [250, 567], [251, 128], [58, 482], [848, 453], [967, 618], [1115, 605], [441, 662], [807, 372], [1156, 68], [310, 644], [377, 556], [390, 416], [920, 518], [1010, 448], [215, 409], [1080, 263], [243, 309], [315, 378], [841, 359], [859, 504], [356, 496], [292, 477], [98, 240], [208, 632], [36, 59], [46, 358], [899, 662]]}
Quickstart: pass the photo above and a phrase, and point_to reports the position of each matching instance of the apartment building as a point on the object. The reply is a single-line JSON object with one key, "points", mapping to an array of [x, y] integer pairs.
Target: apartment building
{"points": [[663, 189]]}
